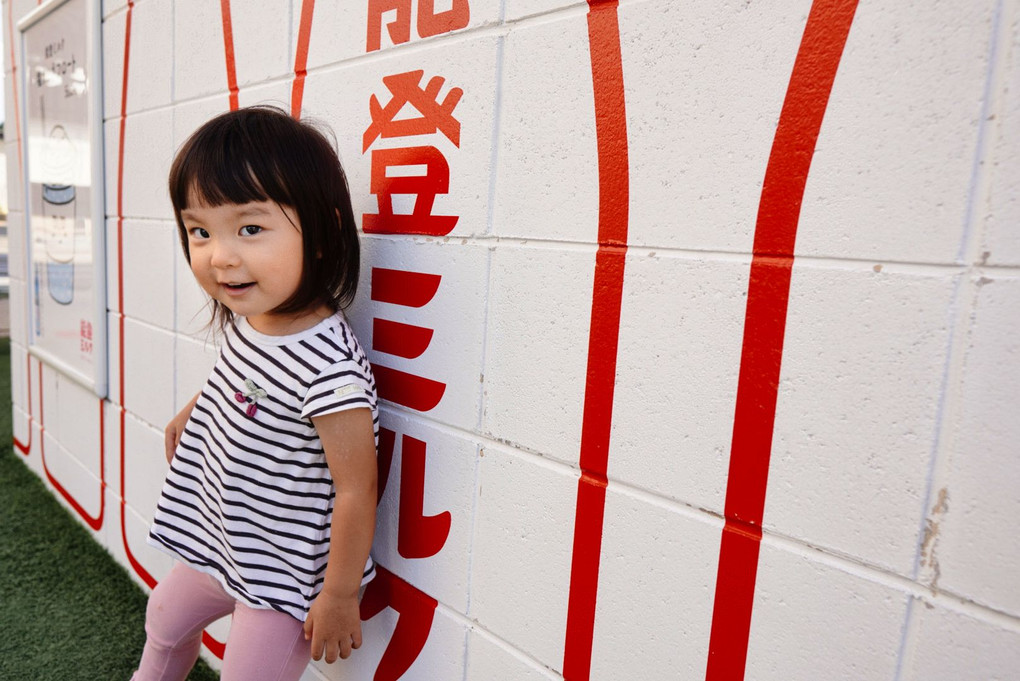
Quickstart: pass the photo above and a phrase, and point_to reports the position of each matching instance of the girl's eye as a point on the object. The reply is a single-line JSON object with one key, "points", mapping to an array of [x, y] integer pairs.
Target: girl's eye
{"points": [[250, 230], [198, 233]]}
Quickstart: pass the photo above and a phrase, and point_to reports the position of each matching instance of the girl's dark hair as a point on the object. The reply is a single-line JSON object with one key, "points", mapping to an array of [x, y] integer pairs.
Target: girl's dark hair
{"points": [[262, 154]]}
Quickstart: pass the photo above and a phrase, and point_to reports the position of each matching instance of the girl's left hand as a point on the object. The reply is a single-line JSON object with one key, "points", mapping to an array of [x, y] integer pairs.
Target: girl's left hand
{"points": [[333, 626]]}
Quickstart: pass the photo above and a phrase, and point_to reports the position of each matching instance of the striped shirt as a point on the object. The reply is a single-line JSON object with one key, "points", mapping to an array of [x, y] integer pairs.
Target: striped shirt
{"points": [[249, 497]]}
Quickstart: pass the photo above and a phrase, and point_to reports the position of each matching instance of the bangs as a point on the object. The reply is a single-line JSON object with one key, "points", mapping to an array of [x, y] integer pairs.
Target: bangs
{"points": [[223, 164]]}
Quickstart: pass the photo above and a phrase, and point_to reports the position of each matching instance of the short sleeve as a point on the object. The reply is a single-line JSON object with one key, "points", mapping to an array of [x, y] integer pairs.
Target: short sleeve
{"points": [[347, 384]]}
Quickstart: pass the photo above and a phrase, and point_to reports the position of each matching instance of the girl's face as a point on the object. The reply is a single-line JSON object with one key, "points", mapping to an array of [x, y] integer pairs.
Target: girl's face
{"points": [[249, 258]]}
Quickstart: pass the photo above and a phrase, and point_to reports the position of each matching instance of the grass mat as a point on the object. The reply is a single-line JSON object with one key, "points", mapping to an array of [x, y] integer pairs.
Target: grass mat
{"points": [[68, 611]]}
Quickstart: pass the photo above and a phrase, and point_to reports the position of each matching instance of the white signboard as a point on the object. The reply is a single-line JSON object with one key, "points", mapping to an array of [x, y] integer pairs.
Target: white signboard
{"points": [[63, 148]]}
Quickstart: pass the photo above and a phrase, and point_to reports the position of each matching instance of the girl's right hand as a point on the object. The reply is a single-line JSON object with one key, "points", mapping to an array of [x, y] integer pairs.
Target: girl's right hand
{"points": [[174, 429]]}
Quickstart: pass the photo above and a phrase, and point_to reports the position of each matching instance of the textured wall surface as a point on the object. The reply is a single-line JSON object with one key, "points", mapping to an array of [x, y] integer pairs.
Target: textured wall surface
{"points": [[696, 323]]}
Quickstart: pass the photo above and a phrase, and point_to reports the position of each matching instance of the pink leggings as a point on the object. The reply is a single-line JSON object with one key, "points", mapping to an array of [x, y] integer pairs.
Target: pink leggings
{"points": [[263, 645]]}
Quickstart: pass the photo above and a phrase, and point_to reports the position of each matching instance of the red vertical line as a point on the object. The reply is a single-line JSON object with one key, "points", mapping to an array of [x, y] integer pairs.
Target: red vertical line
{"points": [[26, 447], [14, 85], [137, 566], [95, 522], [228, 50], [607, 294], [793, 147], [301, 57]]}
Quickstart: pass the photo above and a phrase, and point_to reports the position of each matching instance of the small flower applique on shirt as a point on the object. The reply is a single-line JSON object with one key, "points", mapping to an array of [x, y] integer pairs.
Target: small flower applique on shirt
{"points": [[251, 394]]}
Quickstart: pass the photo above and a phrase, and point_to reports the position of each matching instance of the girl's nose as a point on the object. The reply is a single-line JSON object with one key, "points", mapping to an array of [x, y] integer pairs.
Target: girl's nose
{"points": [[223, 254]]}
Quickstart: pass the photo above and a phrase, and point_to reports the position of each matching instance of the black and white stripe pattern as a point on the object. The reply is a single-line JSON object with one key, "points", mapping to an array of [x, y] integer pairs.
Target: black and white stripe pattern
{"points": [[249, 498]]}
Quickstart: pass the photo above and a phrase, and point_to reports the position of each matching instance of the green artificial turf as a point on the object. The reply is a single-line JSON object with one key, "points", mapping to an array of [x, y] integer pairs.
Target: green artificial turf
{"points": [[68, 611]]}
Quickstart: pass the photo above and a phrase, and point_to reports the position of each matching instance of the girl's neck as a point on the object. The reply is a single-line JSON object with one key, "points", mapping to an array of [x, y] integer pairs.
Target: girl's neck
{"points": [[288, 324]]}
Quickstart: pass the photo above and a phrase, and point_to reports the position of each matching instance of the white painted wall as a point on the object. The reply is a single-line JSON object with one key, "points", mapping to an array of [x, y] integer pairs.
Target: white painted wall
{"points": [[888, 549]]}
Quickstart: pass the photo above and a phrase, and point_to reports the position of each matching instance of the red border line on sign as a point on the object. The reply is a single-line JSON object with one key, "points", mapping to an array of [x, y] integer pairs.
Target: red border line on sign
{"points": [[607, 295], [793, 147], [228, 50], [301, 58], [95, 522]]}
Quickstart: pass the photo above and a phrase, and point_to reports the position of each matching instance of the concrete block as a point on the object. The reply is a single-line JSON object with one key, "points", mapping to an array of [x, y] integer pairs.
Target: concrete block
{"points": [[18, 305], [681, 330], [20, 388], [76, 424], [112, 269], [153, 57], [148, 373], [148, 152], [954, 645], [455, 315], [1000, 243], [262, 42], [856, 420], [194, 360], [971, 541], [704, 91], [519, 9], [523, 539], [78, 479], [15, 181], [148, 253], [152, 561], [547, 184], [194, 307], [537, 347], [811, 619], [656, 589], [341, 98], [902, 195], [200, 64], [111, 166], [113, 340], [17, 254], [111, 464], [114, 28], [190, 116], [337, 32], [450, 464], [144, 466], [490, 658]]}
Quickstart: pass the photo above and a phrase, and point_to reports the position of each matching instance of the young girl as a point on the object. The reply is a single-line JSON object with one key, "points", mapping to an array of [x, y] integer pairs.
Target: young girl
{"points": [[269, 504]]}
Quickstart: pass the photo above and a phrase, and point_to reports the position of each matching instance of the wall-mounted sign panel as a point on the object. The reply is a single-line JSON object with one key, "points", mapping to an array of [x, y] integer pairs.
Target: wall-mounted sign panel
{"points": [[62, 143]]}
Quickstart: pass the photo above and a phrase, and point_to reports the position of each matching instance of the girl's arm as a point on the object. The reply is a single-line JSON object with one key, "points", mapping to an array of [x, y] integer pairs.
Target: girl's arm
{"points": [[334, 622], [173, 431]]}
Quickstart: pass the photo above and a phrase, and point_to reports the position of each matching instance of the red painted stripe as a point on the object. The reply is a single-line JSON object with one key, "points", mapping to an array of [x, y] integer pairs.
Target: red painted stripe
{"points": [[26, 447], [95, 522], [135, 564], [228, 50], [301, 58], [800, 121], [607, 295]]}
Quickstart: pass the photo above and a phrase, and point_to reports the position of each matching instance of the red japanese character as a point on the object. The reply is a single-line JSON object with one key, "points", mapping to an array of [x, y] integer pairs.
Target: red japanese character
{"points": [[405, 88], [391, 170], [415, 610], [418, 535], [429, 22]]}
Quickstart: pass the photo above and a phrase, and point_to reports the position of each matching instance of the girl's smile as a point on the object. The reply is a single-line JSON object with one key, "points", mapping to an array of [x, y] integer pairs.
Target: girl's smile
{"points": [[249, 258]]}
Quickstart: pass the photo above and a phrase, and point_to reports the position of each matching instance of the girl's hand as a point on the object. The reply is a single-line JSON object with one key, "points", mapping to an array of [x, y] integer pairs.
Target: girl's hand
{"points": [[173, 431], [333, 626]]}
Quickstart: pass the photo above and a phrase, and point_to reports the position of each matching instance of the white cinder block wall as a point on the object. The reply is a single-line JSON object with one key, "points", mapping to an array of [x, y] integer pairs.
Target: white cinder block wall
{"points": [[564, 452]]}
